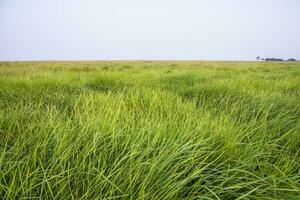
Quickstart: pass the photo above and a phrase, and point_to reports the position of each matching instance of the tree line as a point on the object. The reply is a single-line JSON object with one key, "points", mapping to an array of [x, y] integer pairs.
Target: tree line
{"points": [[258, 58]]}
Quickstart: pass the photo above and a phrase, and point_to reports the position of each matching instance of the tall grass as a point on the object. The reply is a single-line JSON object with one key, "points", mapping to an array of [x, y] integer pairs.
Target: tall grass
{"points": [[149, 130]]}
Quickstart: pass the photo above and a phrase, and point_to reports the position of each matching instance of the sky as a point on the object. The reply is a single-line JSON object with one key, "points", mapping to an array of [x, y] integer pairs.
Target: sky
{"points": [[149, 29]]}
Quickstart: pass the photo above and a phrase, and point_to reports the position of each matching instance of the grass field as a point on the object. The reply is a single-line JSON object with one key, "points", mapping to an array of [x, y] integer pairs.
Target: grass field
{"points": [[149, 130]]}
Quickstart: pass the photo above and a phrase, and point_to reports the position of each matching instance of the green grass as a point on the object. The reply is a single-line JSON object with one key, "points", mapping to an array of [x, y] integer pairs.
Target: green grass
{"points": [[149, 130]]}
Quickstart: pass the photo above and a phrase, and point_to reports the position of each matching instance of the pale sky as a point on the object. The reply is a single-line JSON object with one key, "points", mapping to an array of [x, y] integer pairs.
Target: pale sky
{"points": [[152, 29]]}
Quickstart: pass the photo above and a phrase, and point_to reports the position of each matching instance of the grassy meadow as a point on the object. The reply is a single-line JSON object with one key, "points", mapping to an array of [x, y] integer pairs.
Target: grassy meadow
{"points": [[149, 130]]}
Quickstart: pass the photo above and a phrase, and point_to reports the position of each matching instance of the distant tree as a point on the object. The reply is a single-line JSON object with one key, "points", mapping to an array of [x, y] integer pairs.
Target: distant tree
{"points": [[257, 58], [291, 59], [262, 59], [274, 59]]}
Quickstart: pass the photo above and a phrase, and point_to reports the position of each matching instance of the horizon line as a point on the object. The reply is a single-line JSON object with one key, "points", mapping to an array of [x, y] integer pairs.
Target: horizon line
{"points": [[142, 60]]}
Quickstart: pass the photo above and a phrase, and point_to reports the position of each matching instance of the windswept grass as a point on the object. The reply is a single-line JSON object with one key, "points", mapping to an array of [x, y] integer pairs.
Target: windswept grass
{"points": [[149, 130]]}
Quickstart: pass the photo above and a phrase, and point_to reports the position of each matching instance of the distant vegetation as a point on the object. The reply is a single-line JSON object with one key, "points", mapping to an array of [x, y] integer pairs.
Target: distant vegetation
{"points": [[275, 59], [149, 130]]}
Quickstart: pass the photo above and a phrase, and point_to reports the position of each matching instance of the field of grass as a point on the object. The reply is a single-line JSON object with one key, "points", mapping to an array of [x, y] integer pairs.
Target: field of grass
{"points": [[149, 130]]}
